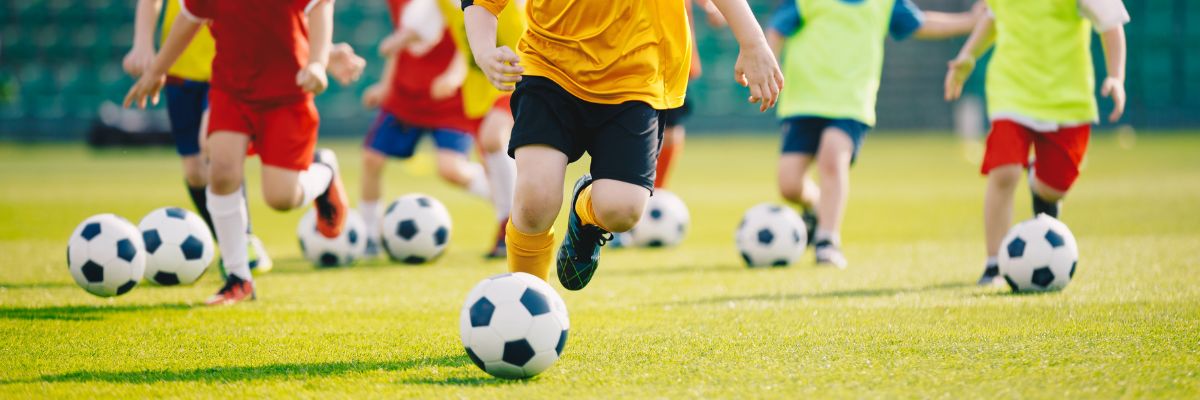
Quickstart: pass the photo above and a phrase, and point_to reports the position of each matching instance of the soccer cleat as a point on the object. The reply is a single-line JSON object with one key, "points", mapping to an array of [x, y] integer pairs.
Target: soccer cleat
{"points": [[260, 262], [579, 254], [235, 290], [499, 248], [829, 254], [1041, 206], [991, 276], [810, 225], [372, 249], [331, 205]]}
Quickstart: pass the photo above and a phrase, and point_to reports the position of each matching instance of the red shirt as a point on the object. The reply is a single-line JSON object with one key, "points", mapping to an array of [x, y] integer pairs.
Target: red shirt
{"points": [[409, 97], [261, 46]]}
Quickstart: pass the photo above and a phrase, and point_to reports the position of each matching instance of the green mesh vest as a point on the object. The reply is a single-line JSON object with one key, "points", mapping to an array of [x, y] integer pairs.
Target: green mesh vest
{"points": [[832, 65], [1041, 67]]}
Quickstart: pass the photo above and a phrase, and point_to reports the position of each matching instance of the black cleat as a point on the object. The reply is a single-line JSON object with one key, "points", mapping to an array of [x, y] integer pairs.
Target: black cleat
{"points": [[579, 254]]}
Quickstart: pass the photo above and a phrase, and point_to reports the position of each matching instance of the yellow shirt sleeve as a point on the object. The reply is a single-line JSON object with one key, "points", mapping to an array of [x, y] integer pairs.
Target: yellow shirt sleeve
{"points": [[195, 64]]}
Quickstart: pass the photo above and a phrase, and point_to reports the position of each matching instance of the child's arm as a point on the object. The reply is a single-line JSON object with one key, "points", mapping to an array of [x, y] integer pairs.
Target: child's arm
{"points": [[375, 93], [344, 64], [1113, 41], [152, 79], [756, 67], [940, 25], [961, 66], [141, 55], [312, 77], [451, 80], [500, 64]]}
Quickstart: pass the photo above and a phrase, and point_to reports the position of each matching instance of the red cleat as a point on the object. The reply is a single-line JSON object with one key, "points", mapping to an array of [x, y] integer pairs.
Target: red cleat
{"points": [[332, 205], [235, 290], [499, 249]]}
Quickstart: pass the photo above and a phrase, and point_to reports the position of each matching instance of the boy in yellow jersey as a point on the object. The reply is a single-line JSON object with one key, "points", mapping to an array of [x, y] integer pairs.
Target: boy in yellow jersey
{"points": [[187, 99], [1040, 86], [593, 76]]}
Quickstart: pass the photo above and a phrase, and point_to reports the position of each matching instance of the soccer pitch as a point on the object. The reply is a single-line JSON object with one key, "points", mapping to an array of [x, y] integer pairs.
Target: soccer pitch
{"points": [[905, 320]]}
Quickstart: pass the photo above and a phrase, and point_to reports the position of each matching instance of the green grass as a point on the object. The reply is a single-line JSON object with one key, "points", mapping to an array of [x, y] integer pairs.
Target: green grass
{"points": [[902, 321]]}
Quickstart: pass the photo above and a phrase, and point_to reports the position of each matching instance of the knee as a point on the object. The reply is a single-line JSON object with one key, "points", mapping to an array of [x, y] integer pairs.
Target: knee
{"points": [[833, 165], [373, 161], [619, 216], [280, 201], [193, 172], [1006, 177], [791, 190], [224, 177], [535, 211], [491, 142], [452, 171]]}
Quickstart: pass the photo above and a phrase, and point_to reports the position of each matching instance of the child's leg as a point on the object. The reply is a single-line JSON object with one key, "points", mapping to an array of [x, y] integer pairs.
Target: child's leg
{"points": [[833, 166], [794, 183], [494, 133], [1056, 166], [455, 167], [998, 204], [226, 204], [536, 202], [613, 205], [372, 190]]}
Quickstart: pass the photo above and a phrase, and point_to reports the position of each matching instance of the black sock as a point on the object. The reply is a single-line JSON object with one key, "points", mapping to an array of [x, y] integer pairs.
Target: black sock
{"points": [[1041, 206], [200, 200]]}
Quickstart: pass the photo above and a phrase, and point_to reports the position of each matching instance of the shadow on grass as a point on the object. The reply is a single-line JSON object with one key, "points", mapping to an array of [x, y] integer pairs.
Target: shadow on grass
{"points": [[292, 371], [836, 294], [672, 270], [481, 380], [81, 313], [36, 285]]}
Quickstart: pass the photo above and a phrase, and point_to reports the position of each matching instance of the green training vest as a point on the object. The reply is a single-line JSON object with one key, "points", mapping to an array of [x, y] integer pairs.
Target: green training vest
{"points": [[833, 63], [1041, 67]]}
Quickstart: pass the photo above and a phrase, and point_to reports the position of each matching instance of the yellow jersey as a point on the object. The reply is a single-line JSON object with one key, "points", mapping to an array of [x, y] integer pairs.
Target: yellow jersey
{"points": [[478, 94], [608, 51], [195, 64]]}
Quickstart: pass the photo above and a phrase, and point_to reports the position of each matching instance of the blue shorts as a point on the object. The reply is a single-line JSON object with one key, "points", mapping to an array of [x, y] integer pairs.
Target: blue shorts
{"points": [[803, 134], [186, 102], [391, 136]]}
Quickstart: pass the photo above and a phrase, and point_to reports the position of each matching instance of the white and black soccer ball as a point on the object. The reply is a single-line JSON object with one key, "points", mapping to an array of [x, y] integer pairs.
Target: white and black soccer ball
{"points": [[324, 252], [106, 255], [771, 235], [415, 229], [179, 246], [1039, 254], [514, 325], [664, 222]]}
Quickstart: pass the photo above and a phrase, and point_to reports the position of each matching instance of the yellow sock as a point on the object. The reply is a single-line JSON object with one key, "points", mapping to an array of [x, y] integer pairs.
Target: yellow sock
{"points": [[583, 207], [529, 253]]}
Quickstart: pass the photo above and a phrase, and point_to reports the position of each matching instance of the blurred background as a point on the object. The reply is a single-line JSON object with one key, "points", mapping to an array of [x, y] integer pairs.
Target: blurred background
{"points": [[60, 72]]}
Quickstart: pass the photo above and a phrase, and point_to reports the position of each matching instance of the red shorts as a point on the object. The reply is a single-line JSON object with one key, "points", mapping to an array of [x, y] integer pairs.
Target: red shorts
{"points": [[503, 103], [1056, 154], [283, 135]]}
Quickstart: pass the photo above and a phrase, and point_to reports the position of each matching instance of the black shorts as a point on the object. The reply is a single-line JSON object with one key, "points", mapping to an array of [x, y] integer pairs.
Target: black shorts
{"points": [[803, 134], [623, 139], [675, 116]]}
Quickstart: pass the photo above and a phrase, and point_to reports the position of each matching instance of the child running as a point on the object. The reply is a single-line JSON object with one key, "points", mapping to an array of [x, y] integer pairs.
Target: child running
{"points": [[1040, 86], [593, 76]]}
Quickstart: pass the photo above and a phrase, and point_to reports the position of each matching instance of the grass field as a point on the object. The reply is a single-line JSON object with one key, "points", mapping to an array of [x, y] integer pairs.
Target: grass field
{"points": [[903, 321]]}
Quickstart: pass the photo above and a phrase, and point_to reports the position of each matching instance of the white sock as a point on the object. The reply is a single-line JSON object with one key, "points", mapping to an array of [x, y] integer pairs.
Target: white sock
{"points": [[369, 210], [229, 219], [502, 175], [477, 181], [314, 181], [825, 234], [993, 261]]}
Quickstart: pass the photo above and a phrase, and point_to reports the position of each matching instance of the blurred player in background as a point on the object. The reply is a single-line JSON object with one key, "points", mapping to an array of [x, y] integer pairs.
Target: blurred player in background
{"points": [[592, 76], [1040, 86], [420, 93], [271, 58], [833, 59], [187, 101]]}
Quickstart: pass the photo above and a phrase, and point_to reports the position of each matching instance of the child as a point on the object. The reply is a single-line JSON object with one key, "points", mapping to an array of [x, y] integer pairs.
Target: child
{"points": [[596, 74], [1039, 94], [833, 58], [270, 60], [187, 102], [420, 94]]}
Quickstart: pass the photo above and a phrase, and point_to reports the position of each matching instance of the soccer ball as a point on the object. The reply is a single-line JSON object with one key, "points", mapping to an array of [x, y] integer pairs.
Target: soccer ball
{"points": [[106, 255], [664, 223], [1038, 255], [416, 228], [179, 246], [514, 325], [324, 252], [771, 235]]}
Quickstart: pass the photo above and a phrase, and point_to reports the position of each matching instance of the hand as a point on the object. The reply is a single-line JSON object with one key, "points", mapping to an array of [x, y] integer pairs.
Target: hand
{"points": [[757, 69], [147, 86], [502, 67], [1115, 88], [345, 66], [957, 71], [138, 60], [444, 86], [374, 95], [312, 78]]}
